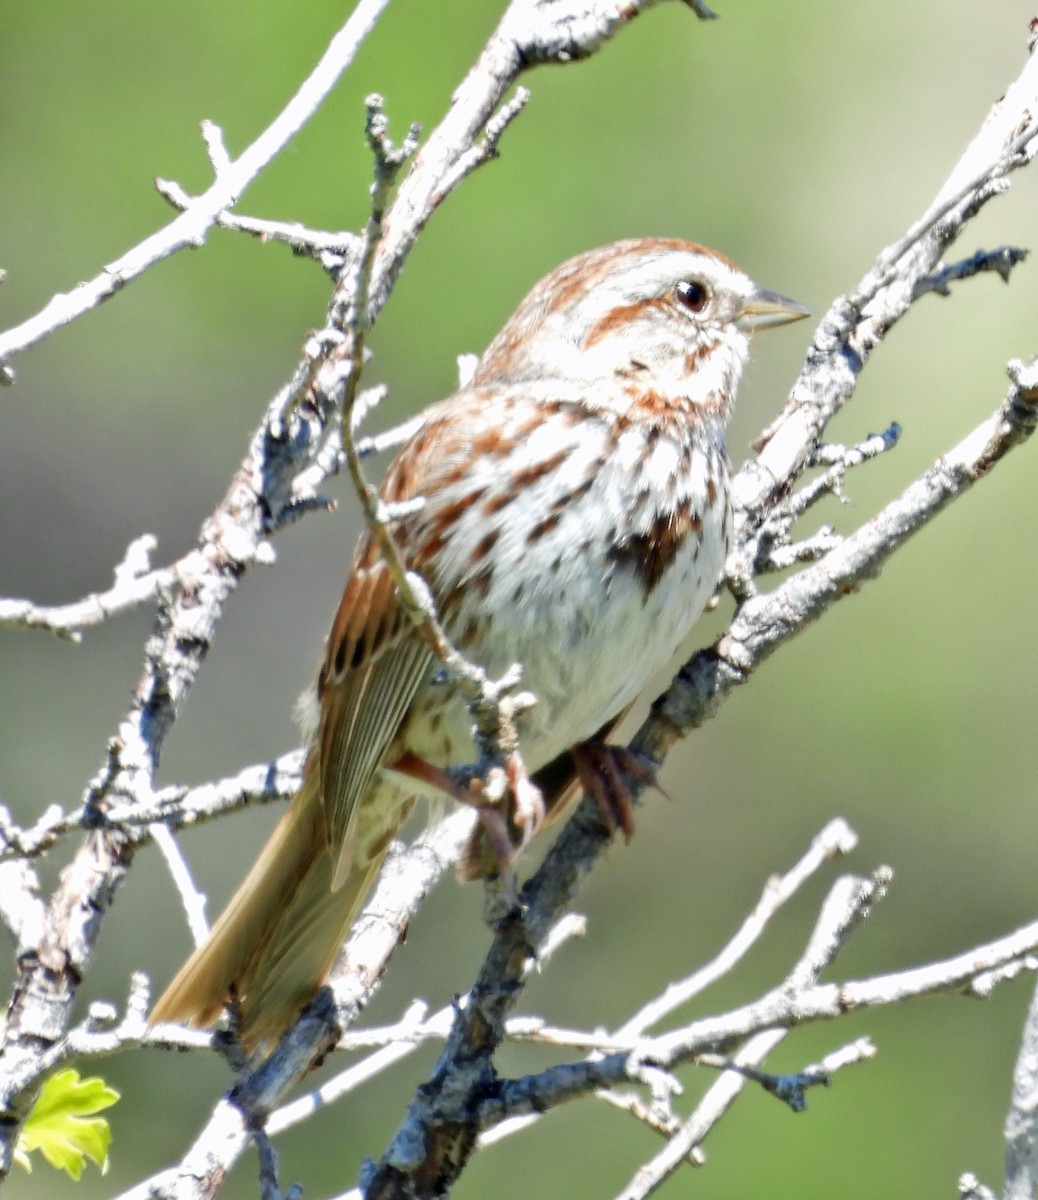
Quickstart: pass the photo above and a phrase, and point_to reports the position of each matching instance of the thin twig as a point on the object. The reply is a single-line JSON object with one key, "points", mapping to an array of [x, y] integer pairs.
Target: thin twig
{"points": [[135, 584], [193, 900], [230, 181], [330, 248], [799, 999], [176, 806], [1001, 261], [837, 839]]}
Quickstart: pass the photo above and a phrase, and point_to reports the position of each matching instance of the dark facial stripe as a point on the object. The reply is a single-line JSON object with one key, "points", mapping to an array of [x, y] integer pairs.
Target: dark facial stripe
{"points": [[620, 318]]}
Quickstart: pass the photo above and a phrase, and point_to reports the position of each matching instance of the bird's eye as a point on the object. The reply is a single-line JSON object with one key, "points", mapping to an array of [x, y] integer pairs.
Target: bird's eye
{"points": [[693, 294]]}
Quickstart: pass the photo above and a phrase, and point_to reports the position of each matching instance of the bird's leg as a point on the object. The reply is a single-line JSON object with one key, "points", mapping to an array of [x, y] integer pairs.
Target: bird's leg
{"points": [[528, 805]]}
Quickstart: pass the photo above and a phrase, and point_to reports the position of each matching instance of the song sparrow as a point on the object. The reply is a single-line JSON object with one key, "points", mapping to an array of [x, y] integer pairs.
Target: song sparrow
{"points": [[576, 519]]}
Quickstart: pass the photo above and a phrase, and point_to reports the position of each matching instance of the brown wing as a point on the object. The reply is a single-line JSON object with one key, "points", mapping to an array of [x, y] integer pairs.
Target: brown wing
{"points": [[375, 661], [374, 664]]}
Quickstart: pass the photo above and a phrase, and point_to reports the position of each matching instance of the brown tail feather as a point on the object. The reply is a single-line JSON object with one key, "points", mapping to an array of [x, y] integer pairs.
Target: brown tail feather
{"points": [[277, 938]]}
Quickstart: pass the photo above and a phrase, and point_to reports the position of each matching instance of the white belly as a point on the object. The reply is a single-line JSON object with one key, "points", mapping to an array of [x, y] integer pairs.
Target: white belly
{"points": [[580, 618]]}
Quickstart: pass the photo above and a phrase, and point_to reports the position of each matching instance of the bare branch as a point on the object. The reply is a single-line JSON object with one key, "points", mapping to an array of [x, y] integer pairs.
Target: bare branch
{"points": [[683, 1145], [1021, 1131], [330, 249], [486, 149], [970, 1188], [835, 840], [795, 1001], [193, 900], [398, 1041], [231, 179], [857, 322], [769, 546], [767, 621], [135, 584], [549, 31], [175, 806], [380, 442], [21, 908], [1001, 261], [268, 1173]]}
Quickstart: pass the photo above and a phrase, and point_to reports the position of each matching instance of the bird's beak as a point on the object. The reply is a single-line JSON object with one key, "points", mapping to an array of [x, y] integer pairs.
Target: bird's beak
{"points": [[764, 309]]}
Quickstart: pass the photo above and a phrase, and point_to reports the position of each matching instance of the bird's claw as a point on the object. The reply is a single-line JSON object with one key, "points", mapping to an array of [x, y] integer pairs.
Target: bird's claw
{"points": [[601, 768]]}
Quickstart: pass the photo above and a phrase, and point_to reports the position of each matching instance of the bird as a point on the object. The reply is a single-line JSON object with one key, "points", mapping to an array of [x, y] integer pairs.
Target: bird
{"points": [[575, 517]]}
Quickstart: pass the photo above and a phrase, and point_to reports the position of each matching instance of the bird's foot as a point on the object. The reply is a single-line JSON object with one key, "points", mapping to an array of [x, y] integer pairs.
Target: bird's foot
{"points": [[526, 810], [601, 768]]}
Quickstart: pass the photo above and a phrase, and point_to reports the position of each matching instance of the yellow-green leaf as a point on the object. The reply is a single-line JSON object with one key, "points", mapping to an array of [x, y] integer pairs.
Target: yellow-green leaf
{"points": [[62, 1124]]}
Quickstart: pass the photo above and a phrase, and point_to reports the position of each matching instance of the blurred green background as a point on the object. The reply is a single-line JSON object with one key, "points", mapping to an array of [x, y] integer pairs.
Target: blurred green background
{"points": [[799, 139]]}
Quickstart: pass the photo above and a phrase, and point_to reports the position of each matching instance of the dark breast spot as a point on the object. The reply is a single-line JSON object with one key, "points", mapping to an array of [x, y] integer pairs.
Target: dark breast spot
{"points": [[485, 545], [520, 480], [481, 581], [496, 503], [545, 526], [652, 553]]}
